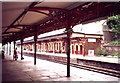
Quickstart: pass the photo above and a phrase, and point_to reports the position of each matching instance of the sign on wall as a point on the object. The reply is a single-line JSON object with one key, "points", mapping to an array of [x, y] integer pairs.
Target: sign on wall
{"points": [[91, 52], [91, 40]]}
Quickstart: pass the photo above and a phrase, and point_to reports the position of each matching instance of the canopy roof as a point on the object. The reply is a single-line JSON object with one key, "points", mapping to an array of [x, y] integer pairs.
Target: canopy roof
{"points": [[23, 19]]}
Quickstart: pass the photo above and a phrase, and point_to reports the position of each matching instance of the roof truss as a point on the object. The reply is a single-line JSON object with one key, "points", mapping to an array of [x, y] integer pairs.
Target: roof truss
{"points": [[59, 18]]}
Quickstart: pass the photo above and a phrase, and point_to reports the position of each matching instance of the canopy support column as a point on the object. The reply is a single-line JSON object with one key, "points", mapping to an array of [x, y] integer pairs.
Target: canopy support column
{"points": [[69, 32], [22, 49], [14, 45], [68, 54], [35, 40], [10, 48]]}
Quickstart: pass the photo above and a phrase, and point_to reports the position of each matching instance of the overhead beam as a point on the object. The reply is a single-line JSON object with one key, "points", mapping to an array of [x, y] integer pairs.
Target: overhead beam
{"points": [[9, 32], [24, 12], [83, 14], [52, 11], [45, 9], [90, 11], [39, 12], [15, 26]]}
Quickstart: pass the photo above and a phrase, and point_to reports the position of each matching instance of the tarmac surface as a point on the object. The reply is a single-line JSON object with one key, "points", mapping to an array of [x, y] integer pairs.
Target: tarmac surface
{"points": [[25, 70]]}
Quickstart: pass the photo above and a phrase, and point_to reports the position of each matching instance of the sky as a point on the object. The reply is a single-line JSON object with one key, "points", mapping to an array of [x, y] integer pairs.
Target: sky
{"points": [[91, 28]]}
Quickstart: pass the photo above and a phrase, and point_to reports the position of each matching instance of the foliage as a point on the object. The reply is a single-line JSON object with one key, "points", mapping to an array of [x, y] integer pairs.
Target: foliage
{"points": [[116, 54], [102, 52], [117, 42], [114, 23]]}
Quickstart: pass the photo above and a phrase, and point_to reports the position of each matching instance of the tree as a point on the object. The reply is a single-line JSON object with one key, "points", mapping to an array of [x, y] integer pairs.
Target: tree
{"points": [[113, 23]]}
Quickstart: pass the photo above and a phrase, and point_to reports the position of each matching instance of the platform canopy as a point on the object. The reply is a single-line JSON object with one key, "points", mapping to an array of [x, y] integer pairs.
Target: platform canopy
{"points": [[24, 19]]}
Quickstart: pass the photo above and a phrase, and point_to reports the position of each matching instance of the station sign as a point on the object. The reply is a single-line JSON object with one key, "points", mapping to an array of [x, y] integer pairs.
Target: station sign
{"points": [[91, 40]]}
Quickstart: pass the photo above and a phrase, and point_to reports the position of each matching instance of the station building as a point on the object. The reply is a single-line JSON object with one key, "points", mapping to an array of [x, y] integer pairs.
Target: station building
{"points": [[80, 44]]}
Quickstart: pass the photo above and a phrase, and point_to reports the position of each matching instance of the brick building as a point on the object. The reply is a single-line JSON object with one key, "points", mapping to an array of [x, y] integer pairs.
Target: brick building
{"points": [[81, 44]]}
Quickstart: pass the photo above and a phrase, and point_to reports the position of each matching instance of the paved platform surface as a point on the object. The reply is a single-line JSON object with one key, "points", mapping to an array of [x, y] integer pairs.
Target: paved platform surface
{"points": [[25, 70]]}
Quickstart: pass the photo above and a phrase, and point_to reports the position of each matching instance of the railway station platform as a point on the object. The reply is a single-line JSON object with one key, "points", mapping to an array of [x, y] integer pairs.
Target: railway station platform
{"points": [[108, 59], [25, 70]]}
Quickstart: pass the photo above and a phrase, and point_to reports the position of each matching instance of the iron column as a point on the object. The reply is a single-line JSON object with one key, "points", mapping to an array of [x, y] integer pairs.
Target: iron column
{"points": [[35, 40], [14, 45], [69, 32], [22, 49]]}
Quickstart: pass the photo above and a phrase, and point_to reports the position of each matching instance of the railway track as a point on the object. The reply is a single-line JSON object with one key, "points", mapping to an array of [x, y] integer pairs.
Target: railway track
{"points": [[90, 68], [86, 67]]}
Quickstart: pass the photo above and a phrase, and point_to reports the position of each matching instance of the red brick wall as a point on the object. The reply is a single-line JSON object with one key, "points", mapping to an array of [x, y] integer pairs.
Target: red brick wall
{"points": [[92, 46]]}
